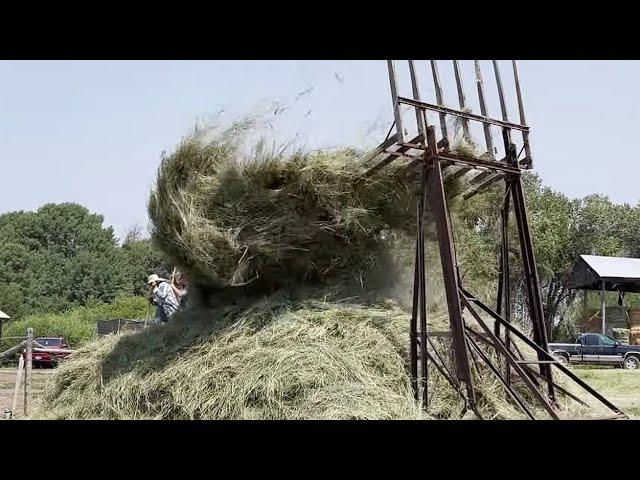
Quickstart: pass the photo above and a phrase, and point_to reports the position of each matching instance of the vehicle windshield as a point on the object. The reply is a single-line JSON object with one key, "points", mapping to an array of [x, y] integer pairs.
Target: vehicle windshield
{"points": [[49, 342]]}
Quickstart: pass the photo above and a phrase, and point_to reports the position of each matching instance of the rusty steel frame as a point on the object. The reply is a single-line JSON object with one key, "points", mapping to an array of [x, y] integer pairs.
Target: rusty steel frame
{"points": [[434, 159]]}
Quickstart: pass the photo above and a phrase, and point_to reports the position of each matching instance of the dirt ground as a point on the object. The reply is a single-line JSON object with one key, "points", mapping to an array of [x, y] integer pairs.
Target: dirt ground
{"points": [[7, 387]]}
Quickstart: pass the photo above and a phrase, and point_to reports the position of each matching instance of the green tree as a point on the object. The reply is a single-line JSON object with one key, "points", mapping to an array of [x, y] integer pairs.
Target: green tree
{"points": [[11, 299], [58, 257], [600, 225], [553, 221]]}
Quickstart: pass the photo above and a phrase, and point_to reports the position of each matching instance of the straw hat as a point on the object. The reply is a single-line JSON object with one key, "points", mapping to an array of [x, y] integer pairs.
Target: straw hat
{"points": [[154, 278]]}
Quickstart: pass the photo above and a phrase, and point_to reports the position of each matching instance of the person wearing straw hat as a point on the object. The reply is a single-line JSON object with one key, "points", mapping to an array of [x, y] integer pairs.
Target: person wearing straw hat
{"points": [[163, 297]]}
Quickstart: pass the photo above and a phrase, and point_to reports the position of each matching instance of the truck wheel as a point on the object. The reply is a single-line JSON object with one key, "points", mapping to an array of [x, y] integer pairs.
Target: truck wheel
{"points": [[561, 359], [631, 363]]}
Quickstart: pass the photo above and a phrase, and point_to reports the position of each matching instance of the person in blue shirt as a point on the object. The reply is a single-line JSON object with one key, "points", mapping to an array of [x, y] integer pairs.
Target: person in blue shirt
{"points": [[163, 297]]}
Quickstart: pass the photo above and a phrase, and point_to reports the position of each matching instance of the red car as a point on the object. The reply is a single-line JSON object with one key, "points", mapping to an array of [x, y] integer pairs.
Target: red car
{"points": [[43, 359]]}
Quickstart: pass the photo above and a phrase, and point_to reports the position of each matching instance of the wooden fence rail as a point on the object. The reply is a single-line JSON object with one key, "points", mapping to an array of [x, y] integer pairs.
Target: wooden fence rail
{"points": [[13, 350]]}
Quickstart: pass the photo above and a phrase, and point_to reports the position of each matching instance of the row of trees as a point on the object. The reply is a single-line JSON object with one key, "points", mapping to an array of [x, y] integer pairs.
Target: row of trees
{"points": [[61, 256]]}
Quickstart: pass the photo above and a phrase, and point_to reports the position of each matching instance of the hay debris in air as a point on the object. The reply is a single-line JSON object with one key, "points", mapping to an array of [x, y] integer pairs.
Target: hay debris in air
{"points": [[271, 219]]}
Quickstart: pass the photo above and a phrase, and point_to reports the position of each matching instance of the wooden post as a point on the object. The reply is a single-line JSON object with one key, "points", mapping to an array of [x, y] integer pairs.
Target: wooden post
{"points": [[603, 307], [16, 391], [27, 370]]}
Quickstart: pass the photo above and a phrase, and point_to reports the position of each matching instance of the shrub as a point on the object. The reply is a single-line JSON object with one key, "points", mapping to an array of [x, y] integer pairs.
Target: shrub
{"points": [[78, 325]]}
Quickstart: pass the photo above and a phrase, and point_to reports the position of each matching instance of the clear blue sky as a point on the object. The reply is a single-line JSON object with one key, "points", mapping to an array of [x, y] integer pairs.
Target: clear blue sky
{"points": [[92, 131]]}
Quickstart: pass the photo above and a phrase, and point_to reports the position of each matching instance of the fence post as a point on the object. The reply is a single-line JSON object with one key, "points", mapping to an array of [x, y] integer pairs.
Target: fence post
{"points": [[16, 391], [27, 370]]}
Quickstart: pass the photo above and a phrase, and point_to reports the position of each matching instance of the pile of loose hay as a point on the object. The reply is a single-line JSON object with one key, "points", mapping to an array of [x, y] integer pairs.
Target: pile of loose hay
{"points": [[271, 360], [268, 359]]}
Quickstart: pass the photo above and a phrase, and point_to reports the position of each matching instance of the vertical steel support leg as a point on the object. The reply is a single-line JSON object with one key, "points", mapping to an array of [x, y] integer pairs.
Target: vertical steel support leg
{"points": [[531, 279], [423, 297], [419, 311], [413, 335], [496, 325], [447, 256], [501, 269], [507, 279]]}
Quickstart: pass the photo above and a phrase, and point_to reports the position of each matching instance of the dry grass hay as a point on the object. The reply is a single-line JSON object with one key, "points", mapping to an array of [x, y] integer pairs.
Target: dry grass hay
{"points": [[621, 334], [271, 360], [634, 337], [269, 219], [634, 317]]}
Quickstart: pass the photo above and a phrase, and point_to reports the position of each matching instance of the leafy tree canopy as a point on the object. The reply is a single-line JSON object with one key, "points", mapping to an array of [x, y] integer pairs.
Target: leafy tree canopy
{"points": [[62, 256]]}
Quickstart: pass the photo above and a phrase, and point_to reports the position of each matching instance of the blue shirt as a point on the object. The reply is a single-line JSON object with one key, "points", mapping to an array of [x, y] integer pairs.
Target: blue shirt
{"points": [[164, 297]]}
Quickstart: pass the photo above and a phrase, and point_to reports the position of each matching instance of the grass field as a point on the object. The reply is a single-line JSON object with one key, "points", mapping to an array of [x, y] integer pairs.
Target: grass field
{"points": [[621, 387]]}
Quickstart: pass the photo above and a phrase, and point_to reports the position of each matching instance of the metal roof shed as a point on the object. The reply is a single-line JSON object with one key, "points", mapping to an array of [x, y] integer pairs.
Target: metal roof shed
{"points": [[613, 274], [3, 317]]}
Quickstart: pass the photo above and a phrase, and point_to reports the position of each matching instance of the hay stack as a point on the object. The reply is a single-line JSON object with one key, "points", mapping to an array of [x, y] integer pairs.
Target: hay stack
{"points": [[622, 335], [634, 317], [634, 326], [271, 360]]}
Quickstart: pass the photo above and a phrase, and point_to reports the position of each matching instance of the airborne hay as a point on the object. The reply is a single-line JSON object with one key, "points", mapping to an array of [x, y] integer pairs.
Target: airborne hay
{"points": [[270, 219]]}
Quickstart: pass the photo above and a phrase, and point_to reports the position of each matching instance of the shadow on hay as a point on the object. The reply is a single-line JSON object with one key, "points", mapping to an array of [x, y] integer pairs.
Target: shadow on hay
{"points": [[212, 312], [153, 348]]}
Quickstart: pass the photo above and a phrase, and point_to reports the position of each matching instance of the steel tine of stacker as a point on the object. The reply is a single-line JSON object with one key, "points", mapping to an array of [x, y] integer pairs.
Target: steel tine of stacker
{"points": [[461, 100], [523, 121], [503, 104], [393, 83], [483, 109], [440, 102], [421, 116]]}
